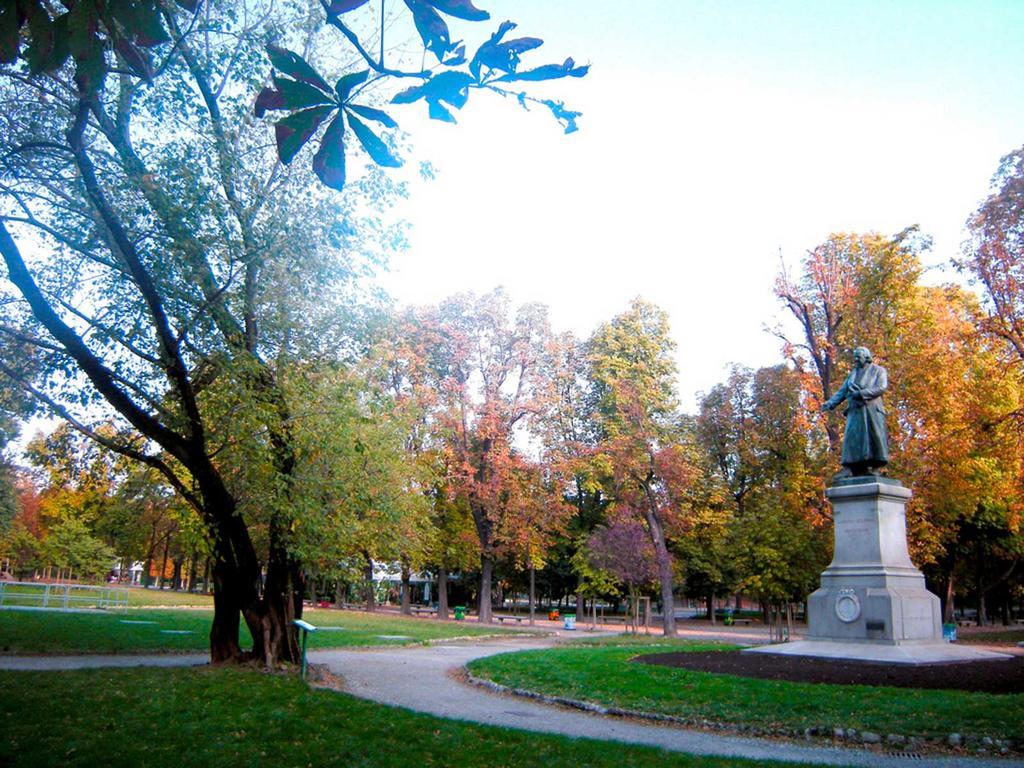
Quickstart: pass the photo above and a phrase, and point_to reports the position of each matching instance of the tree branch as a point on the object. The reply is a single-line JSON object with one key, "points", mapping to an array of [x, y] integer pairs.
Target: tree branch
{"points": [[378, 66], [170, 353], [106, 442], [101, 376]]}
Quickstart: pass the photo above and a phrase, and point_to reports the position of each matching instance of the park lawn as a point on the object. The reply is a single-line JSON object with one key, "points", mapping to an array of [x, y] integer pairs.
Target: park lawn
{"points": [[604, 674], [155, 630], [338, 629], [1007, 636], [141, 597], [241, 717], [138, 597]]}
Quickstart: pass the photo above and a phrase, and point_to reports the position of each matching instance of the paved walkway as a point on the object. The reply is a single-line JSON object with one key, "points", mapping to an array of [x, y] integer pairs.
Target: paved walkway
{"points": [[420, 678]]}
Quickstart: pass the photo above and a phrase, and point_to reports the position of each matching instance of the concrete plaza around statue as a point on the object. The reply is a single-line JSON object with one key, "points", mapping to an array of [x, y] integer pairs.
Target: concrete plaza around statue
{"points": [[873, 604]]}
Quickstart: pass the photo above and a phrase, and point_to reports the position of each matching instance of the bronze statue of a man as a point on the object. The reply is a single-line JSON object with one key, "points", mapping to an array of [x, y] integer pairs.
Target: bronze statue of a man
{"points": [[866, 440]]}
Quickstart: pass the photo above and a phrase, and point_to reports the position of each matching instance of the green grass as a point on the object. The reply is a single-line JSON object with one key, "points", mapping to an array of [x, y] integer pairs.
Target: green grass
{"points": [[139, 597], [1006, 636], [101, 632], [238, 717], [605, 675]]}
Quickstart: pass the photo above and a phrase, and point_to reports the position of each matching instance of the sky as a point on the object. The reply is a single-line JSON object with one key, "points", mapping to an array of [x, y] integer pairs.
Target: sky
{"points": [[717, 140]]}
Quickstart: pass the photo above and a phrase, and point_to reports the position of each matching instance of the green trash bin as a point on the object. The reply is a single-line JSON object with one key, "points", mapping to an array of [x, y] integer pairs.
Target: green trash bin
{"points": [[460, 612]]}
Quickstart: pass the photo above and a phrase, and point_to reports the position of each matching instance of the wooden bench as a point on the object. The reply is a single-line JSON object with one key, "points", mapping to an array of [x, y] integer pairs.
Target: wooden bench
{"points": [[419, 609]]}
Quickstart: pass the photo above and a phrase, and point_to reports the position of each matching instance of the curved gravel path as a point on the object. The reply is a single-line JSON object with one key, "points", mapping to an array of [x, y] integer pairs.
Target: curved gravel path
{"points": [[421, 678]]}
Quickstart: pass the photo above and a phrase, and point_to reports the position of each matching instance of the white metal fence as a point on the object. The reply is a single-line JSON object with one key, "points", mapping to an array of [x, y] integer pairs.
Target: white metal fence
{"points": [[28, 595]]}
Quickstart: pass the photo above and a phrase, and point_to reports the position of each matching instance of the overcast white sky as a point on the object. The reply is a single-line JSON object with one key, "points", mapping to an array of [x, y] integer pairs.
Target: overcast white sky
{"points": [[714, 135]]}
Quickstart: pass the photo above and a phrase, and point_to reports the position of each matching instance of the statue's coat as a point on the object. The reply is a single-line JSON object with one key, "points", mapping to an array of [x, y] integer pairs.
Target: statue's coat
{"points": [[866, 441]]}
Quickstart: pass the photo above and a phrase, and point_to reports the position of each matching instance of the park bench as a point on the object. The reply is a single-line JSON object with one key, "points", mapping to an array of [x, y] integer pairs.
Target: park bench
{"points": [[743, 620], [516, 619], [419, 609]]}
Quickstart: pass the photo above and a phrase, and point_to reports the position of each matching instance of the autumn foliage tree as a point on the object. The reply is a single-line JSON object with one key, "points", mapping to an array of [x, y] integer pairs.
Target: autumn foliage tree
{"points": [[951, 397], [769, 456], [642, 458], [570, 439], [841, 299], [487, 366], [993, 254], [623, 549]]}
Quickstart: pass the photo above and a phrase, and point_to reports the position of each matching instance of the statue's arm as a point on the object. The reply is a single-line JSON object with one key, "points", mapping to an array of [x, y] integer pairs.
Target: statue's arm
{"points": [[837, 398], [879, 385]]}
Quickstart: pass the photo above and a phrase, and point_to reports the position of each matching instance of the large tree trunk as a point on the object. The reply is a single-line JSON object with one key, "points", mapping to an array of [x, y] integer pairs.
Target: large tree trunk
{"points": [[369, 596], [147, 579], [275, 637], [406, 604], [237, 578], [533, 596], [192, 568], [666, 578], [442, 593], [163, 562], [227, 607], [949, 607], [486, 574], [176, 576]]}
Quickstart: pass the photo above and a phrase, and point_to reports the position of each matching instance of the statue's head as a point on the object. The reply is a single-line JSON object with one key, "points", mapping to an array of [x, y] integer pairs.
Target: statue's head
{"points": [[862, 356]]}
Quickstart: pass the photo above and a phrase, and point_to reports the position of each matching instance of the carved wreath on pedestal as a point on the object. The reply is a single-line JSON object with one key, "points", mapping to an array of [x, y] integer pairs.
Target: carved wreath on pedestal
{"points": [[847, 605]]}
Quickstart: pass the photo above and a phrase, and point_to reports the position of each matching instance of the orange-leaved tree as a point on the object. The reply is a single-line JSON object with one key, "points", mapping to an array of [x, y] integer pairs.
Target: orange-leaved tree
{"points": [[645, 464], [489, 372]]}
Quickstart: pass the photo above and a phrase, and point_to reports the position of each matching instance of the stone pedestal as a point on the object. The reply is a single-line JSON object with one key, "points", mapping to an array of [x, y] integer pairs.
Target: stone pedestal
{"points": [[871, 592], [873, 604]]}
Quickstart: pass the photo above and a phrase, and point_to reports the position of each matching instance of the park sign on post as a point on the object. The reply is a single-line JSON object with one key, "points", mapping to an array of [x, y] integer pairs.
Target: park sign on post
{"points": [[306, 628]]}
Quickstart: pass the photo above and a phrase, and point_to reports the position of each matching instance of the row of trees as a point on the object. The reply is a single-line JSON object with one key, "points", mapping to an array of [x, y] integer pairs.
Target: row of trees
{"points": [[470, 436], [180, 295]]}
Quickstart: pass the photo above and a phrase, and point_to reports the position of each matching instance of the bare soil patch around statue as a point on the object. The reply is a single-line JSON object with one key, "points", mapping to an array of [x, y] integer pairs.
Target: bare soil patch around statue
{"points": [[999, 677]]}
